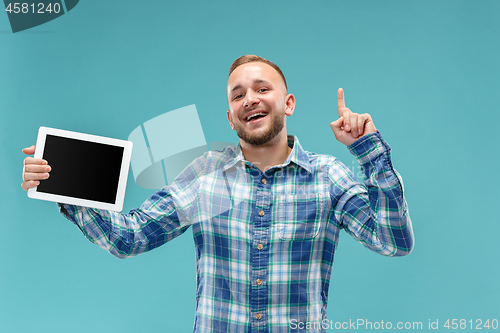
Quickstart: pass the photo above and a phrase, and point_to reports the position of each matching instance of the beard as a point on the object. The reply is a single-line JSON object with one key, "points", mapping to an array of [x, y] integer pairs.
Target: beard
{"points": [[277, 124]]}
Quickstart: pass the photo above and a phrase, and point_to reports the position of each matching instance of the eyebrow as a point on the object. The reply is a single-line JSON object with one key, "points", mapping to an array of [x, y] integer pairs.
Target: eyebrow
{"points": [[256, 81]]}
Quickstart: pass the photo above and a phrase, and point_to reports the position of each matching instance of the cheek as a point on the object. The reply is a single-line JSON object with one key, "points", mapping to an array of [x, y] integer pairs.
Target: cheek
{"points": [[231, 118], [277, 106], [234, 111], [275, 103]]}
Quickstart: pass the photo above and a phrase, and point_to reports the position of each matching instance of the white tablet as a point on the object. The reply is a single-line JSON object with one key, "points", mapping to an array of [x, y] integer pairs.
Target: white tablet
{"points": [[87, 170]]}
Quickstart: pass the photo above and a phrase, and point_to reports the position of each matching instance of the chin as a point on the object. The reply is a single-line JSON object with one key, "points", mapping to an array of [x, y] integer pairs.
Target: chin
{"points": [[263, 134], [260, 139]]}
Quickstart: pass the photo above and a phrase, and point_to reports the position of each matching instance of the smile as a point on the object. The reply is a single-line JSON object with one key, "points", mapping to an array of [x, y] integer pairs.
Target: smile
{"points": [[253, 116]]}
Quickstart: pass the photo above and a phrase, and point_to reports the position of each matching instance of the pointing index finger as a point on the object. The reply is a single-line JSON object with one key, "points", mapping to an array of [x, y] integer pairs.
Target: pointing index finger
{"points": [[340, 101]]}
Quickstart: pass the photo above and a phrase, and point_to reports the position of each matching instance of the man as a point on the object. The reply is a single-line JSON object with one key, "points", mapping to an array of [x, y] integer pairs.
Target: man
{"points": [[266, 216]]}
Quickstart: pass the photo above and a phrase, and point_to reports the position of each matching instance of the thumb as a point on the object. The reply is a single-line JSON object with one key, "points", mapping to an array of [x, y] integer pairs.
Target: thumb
{"points": [[29, 150], [337, 125]]}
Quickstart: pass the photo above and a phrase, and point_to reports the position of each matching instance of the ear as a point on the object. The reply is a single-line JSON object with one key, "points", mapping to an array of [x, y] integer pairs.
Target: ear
{"points": [[290, 104], [230, 119]]}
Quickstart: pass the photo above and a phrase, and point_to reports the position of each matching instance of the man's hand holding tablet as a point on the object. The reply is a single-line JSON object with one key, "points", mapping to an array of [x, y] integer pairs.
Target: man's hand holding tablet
{"points": [[100, 165], [35, 169]]}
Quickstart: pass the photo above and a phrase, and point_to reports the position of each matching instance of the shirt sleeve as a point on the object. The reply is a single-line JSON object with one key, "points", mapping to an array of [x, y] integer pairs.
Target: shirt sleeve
{"points": [[375, 212], [162, 217]]}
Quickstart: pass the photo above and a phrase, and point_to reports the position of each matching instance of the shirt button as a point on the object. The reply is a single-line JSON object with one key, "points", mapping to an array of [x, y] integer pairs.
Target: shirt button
{"points": [[260, 247], [259, 282], [264, 181], [261, 213], [258, 316]]}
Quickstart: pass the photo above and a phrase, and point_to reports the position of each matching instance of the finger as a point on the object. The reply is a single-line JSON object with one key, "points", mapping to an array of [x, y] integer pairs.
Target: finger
{"points": [[340, 101], [37, 168], [32, 160], [354, 124], [30, 184], [347, 119], [369, 125], [27, 176], [29, 150], [361, 123]]}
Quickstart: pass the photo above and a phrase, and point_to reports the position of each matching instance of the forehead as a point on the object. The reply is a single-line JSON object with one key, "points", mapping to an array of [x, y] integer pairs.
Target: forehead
{"points": [[247, 74]]}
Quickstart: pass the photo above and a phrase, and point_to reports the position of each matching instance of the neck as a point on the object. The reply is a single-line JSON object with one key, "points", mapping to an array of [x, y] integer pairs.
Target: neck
{"points": [[269, 154]]}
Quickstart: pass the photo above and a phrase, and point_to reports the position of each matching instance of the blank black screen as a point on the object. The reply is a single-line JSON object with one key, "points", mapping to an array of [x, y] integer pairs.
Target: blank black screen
{"points": [[82, 169]]}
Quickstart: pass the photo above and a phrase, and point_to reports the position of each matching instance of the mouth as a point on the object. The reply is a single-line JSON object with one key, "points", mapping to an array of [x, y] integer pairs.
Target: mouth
{"points": [[255, 116]]}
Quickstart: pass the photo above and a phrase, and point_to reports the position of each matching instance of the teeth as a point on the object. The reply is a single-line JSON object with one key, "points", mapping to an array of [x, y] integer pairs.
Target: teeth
{"points": [[256, 114]]}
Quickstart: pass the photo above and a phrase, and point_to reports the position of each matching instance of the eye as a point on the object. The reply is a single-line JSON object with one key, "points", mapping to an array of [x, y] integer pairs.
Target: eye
{"points": [[237, 97], [263, 90]]}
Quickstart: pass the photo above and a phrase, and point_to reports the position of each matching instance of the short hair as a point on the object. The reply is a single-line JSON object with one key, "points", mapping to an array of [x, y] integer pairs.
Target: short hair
{"points": [[254, 58]]}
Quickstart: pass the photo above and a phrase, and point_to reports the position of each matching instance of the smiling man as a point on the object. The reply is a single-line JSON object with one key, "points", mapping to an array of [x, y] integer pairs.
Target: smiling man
{"points": [[258, 104], [265, 216]]}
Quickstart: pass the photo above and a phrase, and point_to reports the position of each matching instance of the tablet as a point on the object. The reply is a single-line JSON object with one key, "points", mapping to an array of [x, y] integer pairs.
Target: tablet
{"points": [[87, 170]]}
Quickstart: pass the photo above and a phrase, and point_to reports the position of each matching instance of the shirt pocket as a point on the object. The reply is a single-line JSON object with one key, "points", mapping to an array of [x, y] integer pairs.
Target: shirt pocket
{"points": [[299, 216]]}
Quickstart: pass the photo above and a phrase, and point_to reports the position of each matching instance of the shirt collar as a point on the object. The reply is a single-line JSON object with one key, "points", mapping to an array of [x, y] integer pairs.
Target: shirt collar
{"points": [[298, 156]]}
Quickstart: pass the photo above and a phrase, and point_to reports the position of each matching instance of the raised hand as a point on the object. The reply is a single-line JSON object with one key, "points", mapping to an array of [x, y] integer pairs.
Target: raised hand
{"points": [[350, 126]]}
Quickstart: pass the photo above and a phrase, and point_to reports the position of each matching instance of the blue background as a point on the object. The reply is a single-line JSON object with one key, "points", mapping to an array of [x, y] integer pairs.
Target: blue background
{"points": [[427, 72]]}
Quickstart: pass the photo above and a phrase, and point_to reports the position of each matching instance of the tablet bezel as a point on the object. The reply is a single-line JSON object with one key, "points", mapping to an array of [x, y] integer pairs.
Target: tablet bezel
{"points": [[122, 181]]}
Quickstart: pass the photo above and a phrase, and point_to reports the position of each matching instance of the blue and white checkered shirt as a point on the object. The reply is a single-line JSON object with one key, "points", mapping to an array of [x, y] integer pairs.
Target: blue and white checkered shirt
{"points": [[265, 241]]}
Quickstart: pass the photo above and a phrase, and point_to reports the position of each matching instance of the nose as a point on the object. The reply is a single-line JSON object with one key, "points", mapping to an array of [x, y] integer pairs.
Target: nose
{"points": [[250, 99]]}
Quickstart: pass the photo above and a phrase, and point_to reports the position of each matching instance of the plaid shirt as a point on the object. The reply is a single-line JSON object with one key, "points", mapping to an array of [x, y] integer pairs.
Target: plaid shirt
{"points": [[265, 242]]}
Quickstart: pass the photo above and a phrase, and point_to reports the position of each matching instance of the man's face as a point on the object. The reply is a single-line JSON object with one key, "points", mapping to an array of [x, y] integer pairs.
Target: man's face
{"points": [[258, 103]]}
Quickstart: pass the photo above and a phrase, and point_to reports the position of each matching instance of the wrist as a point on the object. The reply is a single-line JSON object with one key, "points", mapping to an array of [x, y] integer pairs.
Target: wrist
{"points": [[369, 147]]}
